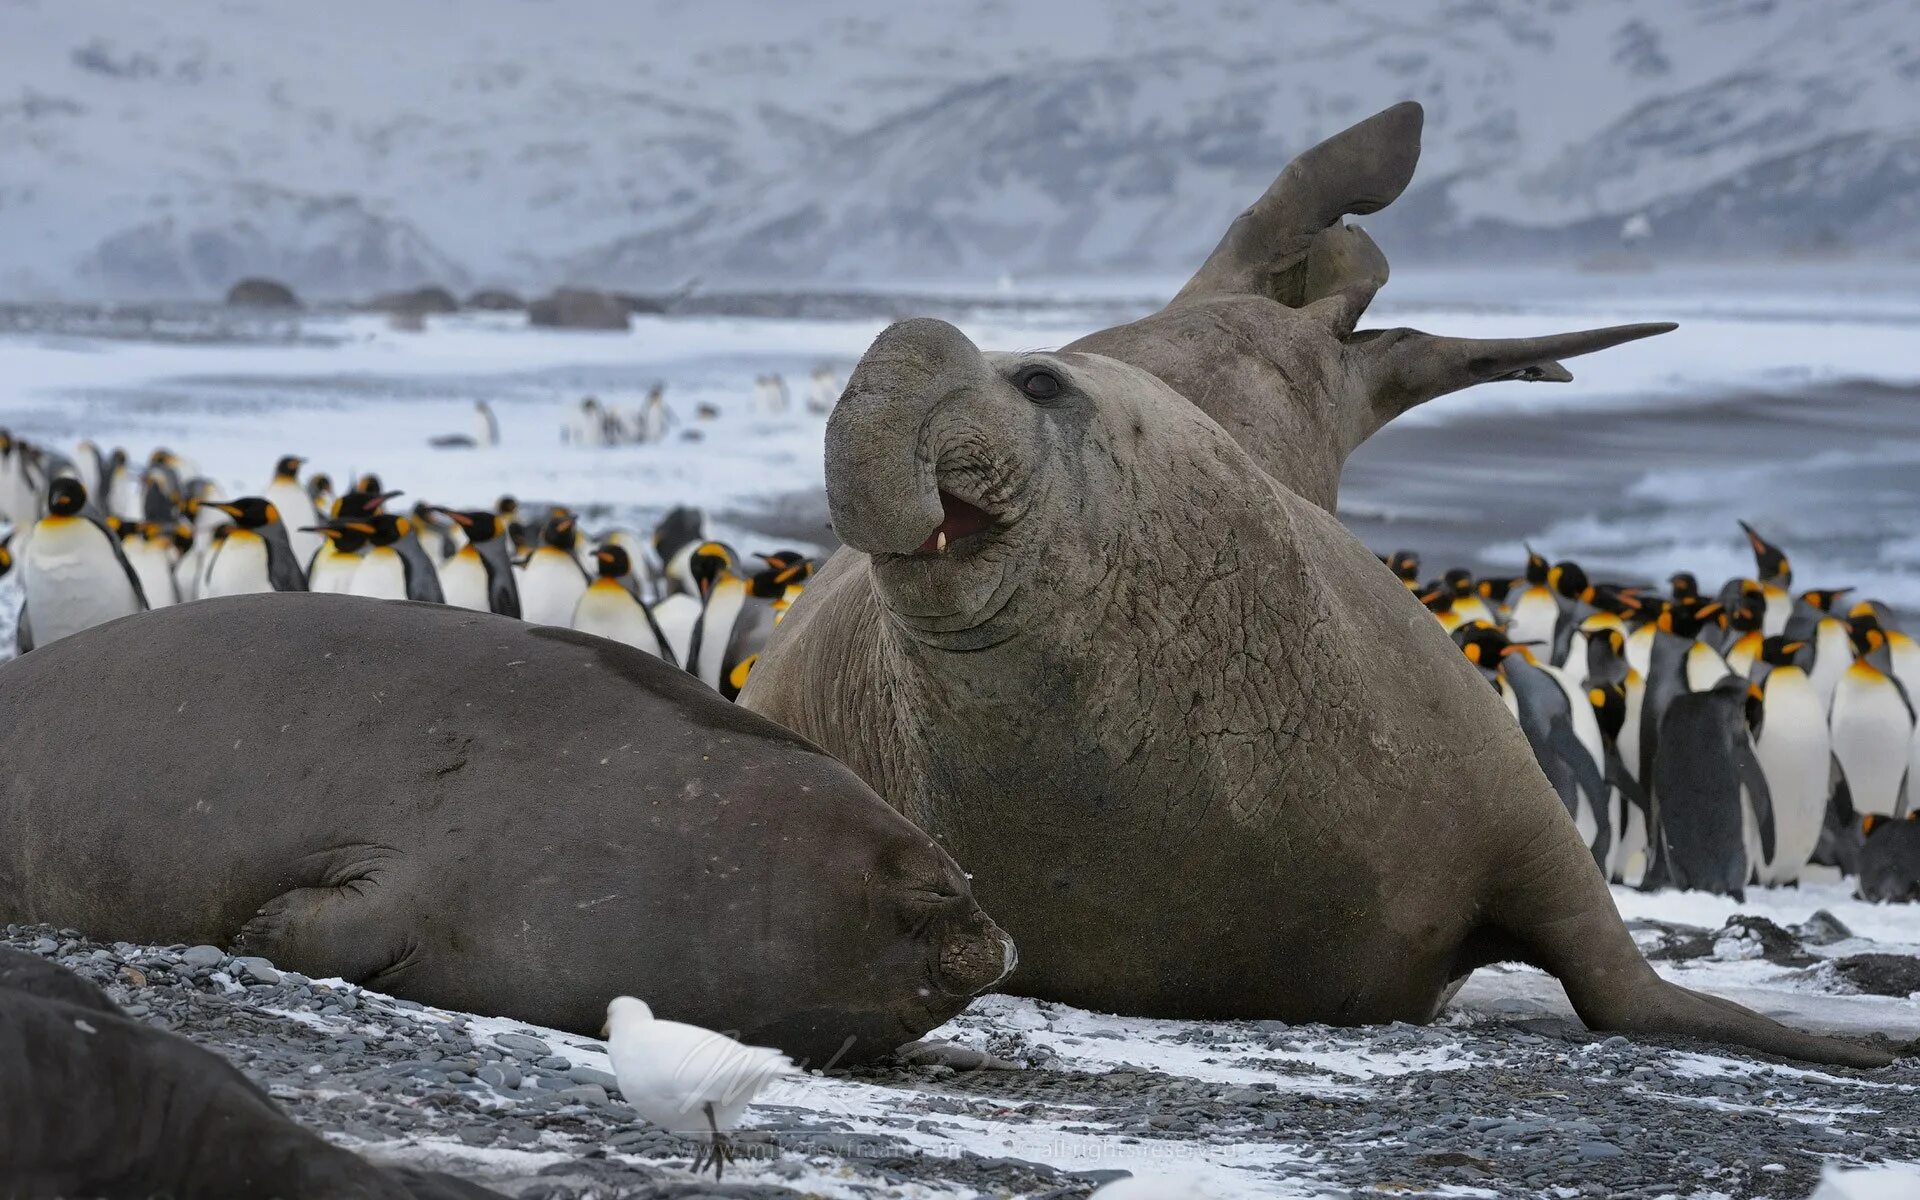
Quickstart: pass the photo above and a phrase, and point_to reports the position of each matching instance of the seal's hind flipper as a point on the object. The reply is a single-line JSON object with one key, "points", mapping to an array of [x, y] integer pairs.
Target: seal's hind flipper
{"points": [[349, 926]]}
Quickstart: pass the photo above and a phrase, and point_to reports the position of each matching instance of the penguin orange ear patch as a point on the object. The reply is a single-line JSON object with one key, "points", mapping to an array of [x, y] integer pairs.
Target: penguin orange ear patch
{"points": [[1868, 822]]}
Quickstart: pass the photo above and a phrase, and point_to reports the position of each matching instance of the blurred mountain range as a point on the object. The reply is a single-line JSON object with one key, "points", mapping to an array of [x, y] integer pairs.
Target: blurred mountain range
{"points": [[367, 144]]}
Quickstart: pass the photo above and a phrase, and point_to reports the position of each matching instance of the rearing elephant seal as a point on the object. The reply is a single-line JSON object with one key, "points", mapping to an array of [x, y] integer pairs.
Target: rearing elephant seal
{"points": [[472, 812], [1095, 629]]}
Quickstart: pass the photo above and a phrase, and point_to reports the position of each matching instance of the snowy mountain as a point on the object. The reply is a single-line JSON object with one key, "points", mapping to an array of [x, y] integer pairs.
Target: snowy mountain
{"points": [[369, 144]]}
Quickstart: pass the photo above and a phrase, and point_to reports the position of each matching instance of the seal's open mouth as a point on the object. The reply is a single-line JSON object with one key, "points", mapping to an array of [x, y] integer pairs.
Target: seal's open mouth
{"points": [[959, 519]]}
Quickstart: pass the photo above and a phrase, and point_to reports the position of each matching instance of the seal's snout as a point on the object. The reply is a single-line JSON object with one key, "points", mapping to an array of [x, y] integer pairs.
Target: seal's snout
{"points": [[978, 956], [881, 484]]}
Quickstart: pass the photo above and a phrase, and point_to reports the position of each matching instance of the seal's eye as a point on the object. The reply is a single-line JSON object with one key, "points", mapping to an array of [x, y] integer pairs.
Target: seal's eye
{"points": [[1040, 384]]}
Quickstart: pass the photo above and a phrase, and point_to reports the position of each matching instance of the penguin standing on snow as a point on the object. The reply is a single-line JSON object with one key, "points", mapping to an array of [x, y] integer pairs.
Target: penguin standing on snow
{"points": [[1677, 665], [1616, 693], [1872, 724], [609, 609], [554, 581], [1889, 859], [1713, 797], [296, 508], [1791, 741], [255, 555], [723, 596], [73, 571], [480, 576]]}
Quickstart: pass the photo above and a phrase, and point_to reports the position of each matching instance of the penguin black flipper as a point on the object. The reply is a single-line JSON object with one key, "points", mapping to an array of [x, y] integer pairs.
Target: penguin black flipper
{"points": [[1587, 777], [423, 581], [23, 632], [120, 556], [659, 634], [1754, 779], [283, 565]]}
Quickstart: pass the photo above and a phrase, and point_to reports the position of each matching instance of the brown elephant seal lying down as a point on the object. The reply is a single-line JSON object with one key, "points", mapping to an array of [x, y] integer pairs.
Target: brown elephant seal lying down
{"points": [[1095, 629], [472, 812]]}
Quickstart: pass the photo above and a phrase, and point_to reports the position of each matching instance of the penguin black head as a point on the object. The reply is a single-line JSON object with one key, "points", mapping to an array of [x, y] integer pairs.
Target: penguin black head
{"points": [[1685, 586], [676, 529], [1569, 578], [1537, 568], [479, 524], [1777, 651], [431, 517], [288, 467], [66, 497], [614, 561], [506, 506], [368, 483], [1624, 602], [1748, 616], [321, 484], [250, 512], [1824, 598], [785, 568], [1867, 637], [348, 537], [1609, 708], [709, 561], [1405, 564], [358, 505], [1687, 622], [1459, 581], [1483, 644], [382, 529], [561, 532], [1771, 560]]}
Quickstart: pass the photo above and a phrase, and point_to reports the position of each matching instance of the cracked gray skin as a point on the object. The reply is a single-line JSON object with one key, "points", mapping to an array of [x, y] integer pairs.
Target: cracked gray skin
{"points": [[1201, 752]]}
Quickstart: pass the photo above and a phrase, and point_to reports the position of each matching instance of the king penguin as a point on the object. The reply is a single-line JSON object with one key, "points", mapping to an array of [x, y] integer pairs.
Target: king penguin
{"points": [[480, 576], [295, 507], [256, 555], [1560, 724], [675, 538], [1617, 693], [395, 566], [1776, 576], [1535, 611], [338, 557], [1872, 724], [1791, 740], [151, 553], [73, 571], [723, 596], [1713, 802], [609, 609], [554, 581]]}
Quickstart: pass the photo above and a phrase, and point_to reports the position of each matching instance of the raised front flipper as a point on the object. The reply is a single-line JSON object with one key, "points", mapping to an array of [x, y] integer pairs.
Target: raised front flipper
{"points": [[355, 922]]}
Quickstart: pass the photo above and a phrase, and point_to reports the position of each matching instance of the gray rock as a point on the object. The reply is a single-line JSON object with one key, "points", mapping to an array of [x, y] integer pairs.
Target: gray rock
{"points": [[204, 956], [586, 1093], [522, 1042], [255, 970], [599, 1078]]}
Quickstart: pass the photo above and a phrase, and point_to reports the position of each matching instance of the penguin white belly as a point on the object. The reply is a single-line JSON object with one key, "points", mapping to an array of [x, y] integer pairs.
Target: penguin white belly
{"points": [[381, 575], [1640, 648], [1576, 659], [1586, 728], [1534, 616], [463, 580], [1779, 611], [239, 567], [124, 497], [1872, 730], [150, 564], [1473, 608], [1795, 756], [1906, 659], [72, 579], [1629, 859], [608, 610], [551, 588], [296, 510], [677, 615], [187, 572], [1705, 667], [333, 572], [1831, 654], [1744, 655], [723, 607], [1508, 698]]}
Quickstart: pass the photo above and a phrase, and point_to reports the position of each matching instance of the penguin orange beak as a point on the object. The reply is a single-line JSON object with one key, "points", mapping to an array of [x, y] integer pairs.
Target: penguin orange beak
{"points": [[232, 510], [381, 499]]}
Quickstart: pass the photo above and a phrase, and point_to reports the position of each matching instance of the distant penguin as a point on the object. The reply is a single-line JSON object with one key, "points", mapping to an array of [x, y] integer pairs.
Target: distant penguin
{"points": [[1468, 604], [337, 559], [320, 493], [1889, 859], [1558, 718], [433, 530], [823, 391], [295, 506], [121, 491], [1791, 740], [1535, 611], [551, 586], [675, 538], [1616, 692], [609, 609], [1775, 574], [486, 426], [395, 567], [73, 572], [256, 555], [480, 575], [1872, 725], [151, 552], [655, 416], [723, 596], [1713, 798], [520, 532], [1574, 593]]}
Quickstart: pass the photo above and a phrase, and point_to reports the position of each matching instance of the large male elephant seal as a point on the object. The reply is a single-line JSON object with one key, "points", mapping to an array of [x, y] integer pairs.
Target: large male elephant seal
{"points": [[93, 1103], [1095, 629], [472, 812]]}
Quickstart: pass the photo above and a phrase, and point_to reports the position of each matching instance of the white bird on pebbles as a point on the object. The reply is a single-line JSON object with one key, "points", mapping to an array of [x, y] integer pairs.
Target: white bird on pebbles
{"points": [[687, 1080]]}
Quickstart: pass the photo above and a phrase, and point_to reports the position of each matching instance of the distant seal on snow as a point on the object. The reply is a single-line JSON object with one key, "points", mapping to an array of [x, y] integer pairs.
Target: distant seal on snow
{"points": [[472, 812], [93, 1103], [1097, 630]]}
